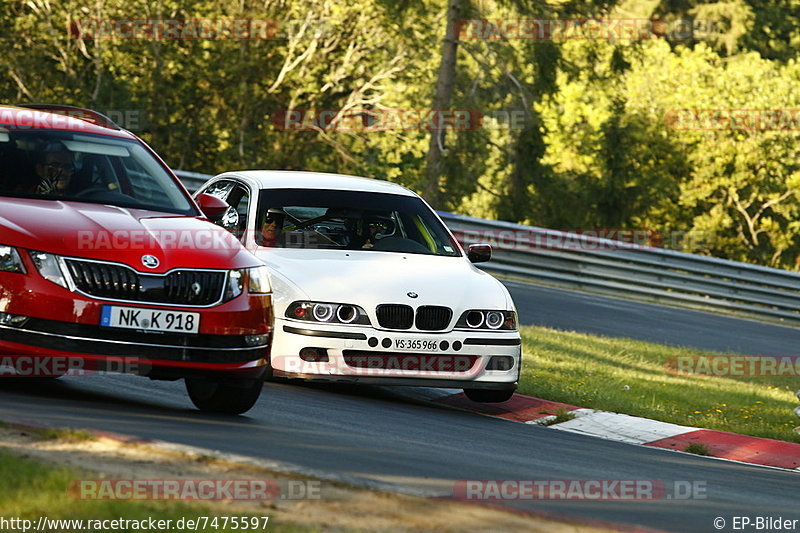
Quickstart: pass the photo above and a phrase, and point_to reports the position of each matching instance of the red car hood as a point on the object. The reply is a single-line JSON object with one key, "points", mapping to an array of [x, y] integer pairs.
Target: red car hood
{"points": [[119, 234]]}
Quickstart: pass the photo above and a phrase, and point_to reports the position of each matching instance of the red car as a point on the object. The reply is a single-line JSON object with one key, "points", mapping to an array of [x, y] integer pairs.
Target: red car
{"points": [[107, 263]]}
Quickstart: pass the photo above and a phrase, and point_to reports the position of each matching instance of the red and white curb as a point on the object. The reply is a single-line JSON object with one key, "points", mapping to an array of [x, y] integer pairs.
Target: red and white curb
{"points": [[636, 430]]}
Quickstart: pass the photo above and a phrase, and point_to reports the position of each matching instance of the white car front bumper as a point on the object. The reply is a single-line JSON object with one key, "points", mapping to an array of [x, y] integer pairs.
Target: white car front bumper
{"points": [[478, 359]]}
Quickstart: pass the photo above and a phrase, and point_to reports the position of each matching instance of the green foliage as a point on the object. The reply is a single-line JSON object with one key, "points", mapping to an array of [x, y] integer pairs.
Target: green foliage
{"points": [[576, 133]]}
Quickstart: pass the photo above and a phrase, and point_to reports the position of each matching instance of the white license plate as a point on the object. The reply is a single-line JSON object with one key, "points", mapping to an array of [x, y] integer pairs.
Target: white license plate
{"points": [[415, 345], [150, 319]]}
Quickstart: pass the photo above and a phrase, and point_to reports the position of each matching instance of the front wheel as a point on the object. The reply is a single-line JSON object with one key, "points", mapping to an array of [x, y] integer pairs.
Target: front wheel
{"points": [[489, 396], [228, 396]]}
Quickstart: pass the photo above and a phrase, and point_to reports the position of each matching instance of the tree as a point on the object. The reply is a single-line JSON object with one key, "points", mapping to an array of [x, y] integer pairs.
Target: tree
{"points": [[441, 101]]}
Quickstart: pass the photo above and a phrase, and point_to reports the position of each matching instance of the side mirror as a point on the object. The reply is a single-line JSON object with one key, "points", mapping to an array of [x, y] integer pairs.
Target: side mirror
{"points": [[479, 253], [211, 206]]}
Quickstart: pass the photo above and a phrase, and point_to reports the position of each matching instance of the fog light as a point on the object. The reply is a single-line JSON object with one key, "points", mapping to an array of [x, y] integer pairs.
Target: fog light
{"points": [[314, 355], [256, 340], [7, 319], [500, 362]]}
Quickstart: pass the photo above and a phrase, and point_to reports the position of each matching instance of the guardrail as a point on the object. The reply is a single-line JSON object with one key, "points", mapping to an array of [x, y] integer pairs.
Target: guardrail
{"points": [[797, 413], [623, 269]]}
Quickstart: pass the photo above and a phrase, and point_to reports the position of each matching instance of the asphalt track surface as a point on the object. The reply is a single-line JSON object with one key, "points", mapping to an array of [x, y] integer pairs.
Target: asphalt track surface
{"points": [[386, 435]]}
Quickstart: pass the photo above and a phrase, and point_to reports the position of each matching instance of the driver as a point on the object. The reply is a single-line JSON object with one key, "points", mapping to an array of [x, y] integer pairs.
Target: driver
{"points": [[55, 172], [271, 228]]}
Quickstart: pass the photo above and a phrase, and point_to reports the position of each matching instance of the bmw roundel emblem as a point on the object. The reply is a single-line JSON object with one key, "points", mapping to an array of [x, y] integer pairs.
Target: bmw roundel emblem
{"points": [[412, 294], [150, 261]]}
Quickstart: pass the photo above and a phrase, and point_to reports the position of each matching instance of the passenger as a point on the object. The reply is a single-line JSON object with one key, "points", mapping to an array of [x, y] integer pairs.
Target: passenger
{"points": [[376, 229], [19, 173]]}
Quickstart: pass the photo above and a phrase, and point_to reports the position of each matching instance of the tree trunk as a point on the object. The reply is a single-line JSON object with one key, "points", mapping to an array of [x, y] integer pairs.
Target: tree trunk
{"points": [[444, 91]]}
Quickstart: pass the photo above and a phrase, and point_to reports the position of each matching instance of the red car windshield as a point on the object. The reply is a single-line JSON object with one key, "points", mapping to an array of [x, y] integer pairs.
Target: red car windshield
{"points": [[63, 165]]}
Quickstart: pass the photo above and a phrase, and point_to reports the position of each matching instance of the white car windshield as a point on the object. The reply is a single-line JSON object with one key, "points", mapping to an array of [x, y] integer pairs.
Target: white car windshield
{"points": [[350, 220], [62, 165]]}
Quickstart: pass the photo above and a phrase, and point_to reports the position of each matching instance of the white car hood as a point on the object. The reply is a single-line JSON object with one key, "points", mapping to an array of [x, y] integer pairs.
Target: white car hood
{"points": [[369, 278]]}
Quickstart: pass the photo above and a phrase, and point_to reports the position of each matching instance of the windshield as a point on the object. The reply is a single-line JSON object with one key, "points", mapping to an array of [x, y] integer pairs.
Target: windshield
{"points": [[348, 220], [61, 165]]}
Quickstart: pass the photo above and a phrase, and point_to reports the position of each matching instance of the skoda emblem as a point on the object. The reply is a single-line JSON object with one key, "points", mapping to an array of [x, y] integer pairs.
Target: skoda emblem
{"points": [[412, 294], [150, 261], [196, 288]]}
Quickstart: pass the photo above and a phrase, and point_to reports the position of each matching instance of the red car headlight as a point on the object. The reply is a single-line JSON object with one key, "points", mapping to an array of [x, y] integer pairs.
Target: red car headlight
{"points": [[10, 261], [49, 266]]}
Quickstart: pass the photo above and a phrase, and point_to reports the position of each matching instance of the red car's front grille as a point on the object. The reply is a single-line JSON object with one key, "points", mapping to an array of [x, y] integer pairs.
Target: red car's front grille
{"points": [[118, 282]]}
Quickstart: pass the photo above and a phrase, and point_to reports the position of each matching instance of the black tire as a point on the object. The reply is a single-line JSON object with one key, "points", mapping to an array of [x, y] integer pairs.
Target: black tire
{"points": [[228, 396], [489, 396]]}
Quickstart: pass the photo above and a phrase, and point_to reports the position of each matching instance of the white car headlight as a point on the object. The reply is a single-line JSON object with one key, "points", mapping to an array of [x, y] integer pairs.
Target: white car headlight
{"points": [[494, 319], [322, 312], [10, 261], [258, 280], [333, 313], [488, 319], [49, 267]]}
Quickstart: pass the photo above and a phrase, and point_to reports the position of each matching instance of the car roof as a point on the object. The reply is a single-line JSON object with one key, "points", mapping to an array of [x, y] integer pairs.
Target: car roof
{"points": [[296, 179], [44, 120]]}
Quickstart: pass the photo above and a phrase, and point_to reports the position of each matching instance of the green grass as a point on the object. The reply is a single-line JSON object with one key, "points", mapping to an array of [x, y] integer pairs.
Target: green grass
{"points": [[697, 449], [562, 415], [30, 489], [67, 435], [628, 376]]}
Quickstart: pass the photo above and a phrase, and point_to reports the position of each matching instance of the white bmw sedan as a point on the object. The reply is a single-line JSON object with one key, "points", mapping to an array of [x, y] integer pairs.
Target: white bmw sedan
{"points": [[369, 286]]}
